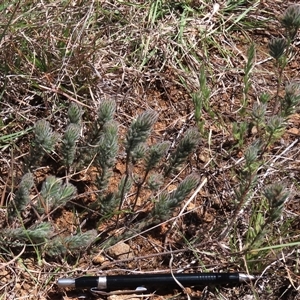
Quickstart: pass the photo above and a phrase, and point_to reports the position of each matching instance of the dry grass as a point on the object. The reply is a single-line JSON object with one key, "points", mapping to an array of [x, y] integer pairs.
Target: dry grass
{"points": [[149, 54]]}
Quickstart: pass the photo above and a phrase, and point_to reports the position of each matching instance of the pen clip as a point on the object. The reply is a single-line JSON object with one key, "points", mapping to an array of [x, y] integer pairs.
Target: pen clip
{"points": [[138, 290]]}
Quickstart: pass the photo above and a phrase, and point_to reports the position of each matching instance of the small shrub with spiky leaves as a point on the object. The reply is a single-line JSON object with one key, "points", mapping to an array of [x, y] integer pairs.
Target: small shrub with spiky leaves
{"points": [[290, 20], [168, 201], [277, 47], [150, 159], [281, 48], [267, 120], [62, 246], [45, 138], [139, 130], [163, 209], [110, 201], [69, 140], [154, 155], [94, 136], [22, 197], [137, 134], [101, 144], [267, 213], [185, 147], [54, 193], [107, 149], [75, 114], [71, 135], [34, 235], [247, 178], [105, 114], [270, 128], [291, 99], [276, 194], [43, 143]]}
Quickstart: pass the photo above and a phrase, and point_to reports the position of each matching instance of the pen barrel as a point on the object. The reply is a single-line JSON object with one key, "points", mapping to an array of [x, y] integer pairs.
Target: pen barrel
{"points": [[167, 280], [87, 282]]}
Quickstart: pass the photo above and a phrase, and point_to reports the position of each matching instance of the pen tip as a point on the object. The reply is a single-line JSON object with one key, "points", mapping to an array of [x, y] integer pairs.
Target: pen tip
{"points": [[66, 282]]}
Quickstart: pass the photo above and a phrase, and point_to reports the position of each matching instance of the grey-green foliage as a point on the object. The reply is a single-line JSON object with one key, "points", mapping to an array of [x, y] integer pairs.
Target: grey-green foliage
{"points": [[167, 202], [44, 142], [291, 99], [59, 246], [281, 48], [247, 178], [185, 187], [54, 193], [277, 47], [184, 148], [264, 98], [110, 201], [45, 138], [137, 134], [42, 235], [69, 140], [22, 197], [163, 209], [258, 113], [36, 234], [107, 149], [251, 156], [102, 143], [155, 181], [71, 135], [106, 111], [75, 114], [276, 195], [291, 20], [105, 114], [262, 223], [108, 145], [274, 126], [271, 127], [154, 155], [239, 131], [258, 119], [138, 153], [139, 130]]}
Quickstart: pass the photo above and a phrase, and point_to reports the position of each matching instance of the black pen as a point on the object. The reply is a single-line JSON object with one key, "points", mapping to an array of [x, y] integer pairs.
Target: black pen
{"points": [[118, 282]]}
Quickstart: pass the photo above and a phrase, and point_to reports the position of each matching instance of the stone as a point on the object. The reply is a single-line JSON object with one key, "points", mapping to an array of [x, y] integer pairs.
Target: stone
{"points": [[120, 251]]}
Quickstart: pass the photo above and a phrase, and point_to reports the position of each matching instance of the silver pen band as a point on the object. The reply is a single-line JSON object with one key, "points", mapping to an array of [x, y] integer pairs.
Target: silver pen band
{"points": [[245, 277], [102, 283]]}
